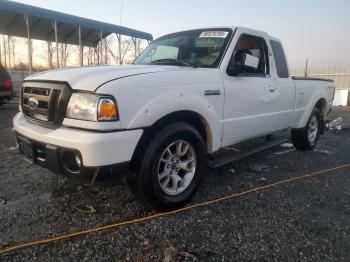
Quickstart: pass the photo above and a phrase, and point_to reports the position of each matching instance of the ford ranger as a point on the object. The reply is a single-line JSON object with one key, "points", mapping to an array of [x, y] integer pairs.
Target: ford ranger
{"points": [[167, 115]]}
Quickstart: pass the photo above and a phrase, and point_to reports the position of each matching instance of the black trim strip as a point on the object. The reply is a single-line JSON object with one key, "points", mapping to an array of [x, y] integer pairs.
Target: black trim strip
{"points": [[46, 81], [311, 78], [104, 131]]}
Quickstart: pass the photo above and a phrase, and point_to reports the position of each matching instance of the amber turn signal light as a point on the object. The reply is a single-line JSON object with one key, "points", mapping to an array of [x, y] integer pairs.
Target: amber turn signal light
{"points": [[107, 110]]}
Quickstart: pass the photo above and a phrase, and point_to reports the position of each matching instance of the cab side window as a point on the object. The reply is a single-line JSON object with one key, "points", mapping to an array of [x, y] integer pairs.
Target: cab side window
{"points": [[280, 59], [254, 46]]}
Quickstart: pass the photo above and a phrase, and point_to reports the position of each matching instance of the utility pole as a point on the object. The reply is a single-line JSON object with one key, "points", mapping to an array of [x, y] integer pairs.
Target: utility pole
{"points": [[306, 67], [121, 12]]}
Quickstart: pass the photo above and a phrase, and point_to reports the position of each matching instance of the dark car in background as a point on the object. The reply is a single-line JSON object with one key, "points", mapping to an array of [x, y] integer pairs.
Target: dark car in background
{"points": [[6, 86]]}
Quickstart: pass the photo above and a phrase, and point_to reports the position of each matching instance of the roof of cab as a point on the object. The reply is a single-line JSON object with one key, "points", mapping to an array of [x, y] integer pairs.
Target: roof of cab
{"points": [[246, 29]]}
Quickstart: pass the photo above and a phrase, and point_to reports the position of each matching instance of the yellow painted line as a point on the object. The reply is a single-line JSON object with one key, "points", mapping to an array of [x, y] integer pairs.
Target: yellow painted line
{"points": [[163, 214]]}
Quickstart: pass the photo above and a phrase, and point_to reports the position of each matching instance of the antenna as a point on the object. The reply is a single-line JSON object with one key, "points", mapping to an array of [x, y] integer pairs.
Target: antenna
{"points": [[121, 11]]}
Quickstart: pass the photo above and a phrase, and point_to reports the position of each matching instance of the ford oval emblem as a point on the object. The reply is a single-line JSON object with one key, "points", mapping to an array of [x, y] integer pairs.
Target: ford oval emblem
{"points": [[33, 102]]}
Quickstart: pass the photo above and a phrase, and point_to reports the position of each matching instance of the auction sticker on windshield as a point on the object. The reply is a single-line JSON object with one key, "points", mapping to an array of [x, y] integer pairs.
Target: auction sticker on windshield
{"points": [[220, 34]]}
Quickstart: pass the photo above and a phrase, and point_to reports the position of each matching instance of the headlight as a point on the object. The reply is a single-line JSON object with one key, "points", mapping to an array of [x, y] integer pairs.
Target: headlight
{"points": [[92, 107]]}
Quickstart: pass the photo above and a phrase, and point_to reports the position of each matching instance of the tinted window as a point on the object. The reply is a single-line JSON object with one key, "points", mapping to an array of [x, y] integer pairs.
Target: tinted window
{"points": [[280, 59]]}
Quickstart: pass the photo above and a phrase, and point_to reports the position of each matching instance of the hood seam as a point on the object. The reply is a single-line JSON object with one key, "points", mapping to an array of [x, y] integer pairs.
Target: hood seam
{"points": [[125, 77]]}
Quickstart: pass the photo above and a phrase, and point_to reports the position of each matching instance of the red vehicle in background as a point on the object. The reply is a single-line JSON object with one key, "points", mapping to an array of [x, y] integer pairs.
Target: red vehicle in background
{"points": [[6, 86]]}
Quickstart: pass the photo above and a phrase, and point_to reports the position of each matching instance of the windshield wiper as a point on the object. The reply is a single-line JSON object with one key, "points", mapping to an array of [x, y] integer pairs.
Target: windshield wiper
{"points": [[169, 61]]}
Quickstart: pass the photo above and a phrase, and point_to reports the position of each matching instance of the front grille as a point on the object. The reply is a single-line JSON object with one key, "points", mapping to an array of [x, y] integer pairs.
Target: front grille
{"points": [[45, 103]]}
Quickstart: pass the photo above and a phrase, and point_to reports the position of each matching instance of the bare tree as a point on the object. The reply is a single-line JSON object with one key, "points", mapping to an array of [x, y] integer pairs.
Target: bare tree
{"points": [[4, 48], [13, 40], [105, 42], [96, 56], [9, 51], [65, 52], [50, 53], [90, 56], [110, 45], [139, 47], [124, 47]]}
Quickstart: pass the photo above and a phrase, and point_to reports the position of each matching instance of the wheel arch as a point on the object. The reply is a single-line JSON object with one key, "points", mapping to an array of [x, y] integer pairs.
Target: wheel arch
{"points": [[186, 116], [319, 102], [321, 105]]}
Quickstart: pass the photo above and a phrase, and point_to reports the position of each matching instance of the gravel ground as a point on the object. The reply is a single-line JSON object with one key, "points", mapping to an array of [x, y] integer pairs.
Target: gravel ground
{"points": [[303, 220]]}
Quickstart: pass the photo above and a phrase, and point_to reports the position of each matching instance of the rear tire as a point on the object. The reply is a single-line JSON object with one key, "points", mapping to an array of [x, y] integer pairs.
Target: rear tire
{"points": [[306, 138], [173, 166]]}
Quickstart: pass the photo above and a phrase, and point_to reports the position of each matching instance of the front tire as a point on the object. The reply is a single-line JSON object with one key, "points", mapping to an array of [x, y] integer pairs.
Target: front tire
{"points": [[173, 166], [306, 138]]}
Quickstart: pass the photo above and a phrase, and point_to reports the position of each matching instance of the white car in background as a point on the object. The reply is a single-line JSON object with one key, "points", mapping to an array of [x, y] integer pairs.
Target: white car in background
{"points": [[166, 116]]}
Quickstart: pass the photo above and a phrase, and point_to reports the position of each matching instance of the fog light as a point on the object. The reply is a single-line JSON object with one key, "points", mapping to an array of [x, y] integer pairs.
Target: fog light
{"points": [[71, 162], [77, 160]]}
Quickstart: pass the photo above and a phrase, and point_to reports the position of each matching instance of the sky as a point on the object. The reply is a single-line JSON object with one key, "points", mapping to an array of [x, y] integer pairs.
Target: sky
{"points": [[318, 30]]}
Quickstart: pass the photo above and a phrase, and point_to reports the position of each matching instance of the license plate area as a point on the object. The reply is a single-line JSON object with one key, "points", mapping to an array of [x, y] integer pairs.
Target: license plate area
{"points": [[26, 149]]}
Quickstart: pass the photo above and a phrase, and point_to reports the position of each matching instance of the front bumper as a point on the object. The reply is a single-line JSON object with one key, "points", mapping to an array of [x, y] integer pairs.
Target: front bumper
{"points": [[95, 148]]}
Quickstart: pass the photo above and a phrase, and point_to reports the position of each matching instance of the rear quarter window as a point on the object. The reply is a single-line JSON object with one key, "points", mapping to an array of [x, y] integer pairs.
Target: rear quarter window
{"points": [[280, 59]]}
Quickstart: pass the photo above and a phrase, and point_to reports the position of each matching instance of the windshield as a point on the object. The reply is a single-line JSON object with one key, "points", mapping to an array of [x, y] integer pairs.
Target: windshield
{"points": [[195, 48]]}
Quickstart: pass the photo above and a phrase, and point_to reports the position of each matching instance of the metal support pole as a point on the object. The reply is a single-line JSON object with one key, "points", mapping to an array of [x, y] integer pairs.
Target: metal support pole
{"points": [[80, 46], [26, 19], [54, 23]]}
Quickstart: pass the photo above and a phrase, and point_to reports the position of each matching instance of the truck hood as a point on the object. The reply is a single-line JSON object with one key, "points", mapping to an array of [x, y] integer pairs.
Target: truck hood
{"points": [[92, 77]]}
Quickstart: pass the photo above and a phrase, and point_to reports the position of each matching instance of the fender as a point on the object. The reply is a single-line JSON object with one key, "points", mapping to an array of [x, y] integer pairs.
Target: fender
{"points": [[174, 101], [143, 100], [318, 94]]}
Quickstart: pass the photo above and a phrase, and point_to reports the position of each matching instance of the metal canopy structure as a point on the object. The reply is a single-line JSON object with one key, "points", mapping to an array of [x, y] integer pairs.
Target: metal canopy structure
{"points": [[32, 22]]}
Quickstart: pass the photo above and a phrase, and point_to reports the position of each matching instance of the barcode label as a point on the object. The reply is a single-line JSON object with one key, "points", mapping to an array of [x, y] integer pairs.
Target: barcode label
{"points": [[219, 34]]}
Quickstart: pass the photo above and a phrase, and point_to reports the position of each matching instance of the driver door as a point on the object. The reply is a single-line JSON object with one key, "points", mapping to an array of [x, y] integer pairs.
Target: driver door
{"points": [[247, 95]]}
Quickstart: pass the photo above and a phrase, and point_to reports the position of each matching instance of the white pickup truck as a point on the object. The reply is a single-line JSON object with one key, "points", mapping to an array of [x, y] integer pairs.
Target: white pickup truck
{"points": [[188, 95]]}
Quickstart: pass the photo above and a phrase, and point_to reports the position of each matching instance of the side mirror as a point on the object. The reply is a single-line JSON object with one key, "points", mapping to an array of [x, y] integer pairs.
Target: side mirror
{"points": [[242, 62]]}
